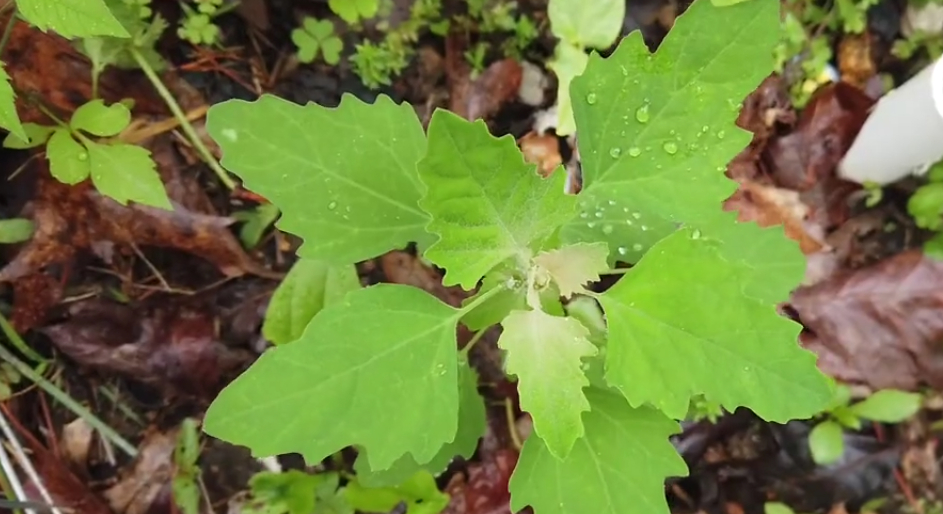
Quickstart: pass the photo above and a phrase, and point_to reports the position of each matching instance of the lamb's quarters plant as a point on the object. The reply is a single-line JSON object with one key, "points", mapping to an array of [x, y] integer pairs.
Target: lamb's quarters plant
{"points": [[694, 318], [86, 147]]}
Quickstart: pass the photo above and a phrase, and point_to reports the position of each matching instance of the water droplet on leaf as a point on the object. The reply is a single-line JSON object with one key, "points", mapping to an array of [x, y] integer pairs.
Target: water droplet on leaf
{"points": [[721, 134], [331, 206], [591, 98], [671, 148], [623, 250], [615, 152], [696, 234], [607, 229], [642, 115], [636, 215], [635, 151], [637, 247]]}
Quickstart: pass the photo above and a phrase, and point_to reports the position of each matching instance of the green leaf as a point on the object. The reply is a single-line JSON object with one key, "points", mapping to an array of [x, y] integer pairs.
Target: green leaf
{"points": [[310, 286], [471, 426], [846, 417], [657, 131], [776, 507], [9, 119], [72, 18], [594, 24], [68, 160], [352, 10], [568, 63], [345, 178], [255, 222], [290, 491], [545, 353], [926, 206], [574, 266], [420, 494], [619, 466], [357, 362], [15, 230], [679, 319], [36, 135], [888, 406], [826, 442], [487, 204], [101, 120], [126, 173], [725, 3]]}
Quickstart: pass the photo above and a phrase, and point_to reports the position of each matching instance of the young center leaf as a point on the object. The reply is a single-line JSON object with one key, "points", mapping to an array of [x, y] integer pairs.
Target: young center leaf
{"points": [[545, 353], [309, 286], [72, 18], [345, 178], [657, 130], [618, 467], [471, 426], [487, 205], [574, 266], [679, 319], [378, 370]]}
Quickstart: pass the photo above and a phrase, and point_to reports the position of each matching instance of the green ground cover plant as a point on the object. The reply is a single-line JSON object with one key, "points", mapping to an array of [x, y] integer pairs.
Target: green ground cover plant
{"points": [[378, 367]]}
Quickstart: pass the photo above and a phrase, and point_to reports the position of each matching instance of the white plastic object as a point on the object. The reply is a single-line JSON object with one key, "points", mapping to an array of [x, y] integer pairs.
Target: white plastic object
{"points": [[903, 134]]}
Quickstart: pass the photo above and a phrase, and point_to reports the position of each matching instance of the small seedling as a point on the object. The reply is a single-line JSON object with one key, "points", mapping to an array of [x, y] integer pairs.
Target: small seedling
{"points": [[886, 406], [86, 147], [255, 222], [316, 37], [197, 26], [185, 484]]}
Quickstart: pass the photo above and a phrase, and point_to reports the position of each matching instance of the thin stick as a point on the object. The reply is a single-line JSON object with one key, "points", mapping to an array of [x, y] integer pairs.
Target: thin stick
{"points": [[61, 396], [25, 463], [182, 118]]}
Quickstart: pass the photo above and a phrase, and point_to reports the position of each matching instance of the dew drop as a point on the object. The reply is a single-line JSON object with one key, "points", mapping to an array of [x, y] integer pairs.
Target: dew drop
{"points": [[635, 151], [642, 115], [607, 229], [671, 148], [636, 215], [705, 128], [623, 250], [644, 228], [584, 215], [331, 206], [612, 202], [628, 222], [625, 209], [591, 98], [696, 234], [83, 156], [615, 152], [599, 214], [591, 224], [721, 134], [637, 247]]}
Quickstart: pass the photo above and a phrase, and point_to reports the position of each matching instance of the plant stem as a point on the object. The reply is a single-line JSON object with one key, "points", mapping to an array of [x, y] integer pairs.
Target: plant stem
{"points": [[472, 342], [60, 395], [8, 31], [480, 299], [18, 341], [182, 119], [616, 271]]}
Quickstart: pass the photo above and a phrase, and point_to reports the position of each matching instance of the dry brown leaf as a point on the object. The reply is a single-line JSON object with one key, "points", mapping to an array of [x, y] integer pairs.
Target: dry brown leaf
{"points": [[879, 326], [542, 150], [147, 484], [769, 206], [165, 343]]}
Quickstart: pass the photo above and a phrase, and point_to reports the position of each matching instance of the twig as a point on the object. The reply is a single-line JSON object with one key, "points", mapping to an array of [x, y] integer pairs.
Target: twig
{"points": [[60, 395], [182, 118], [9, 473], [25, 463]]}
